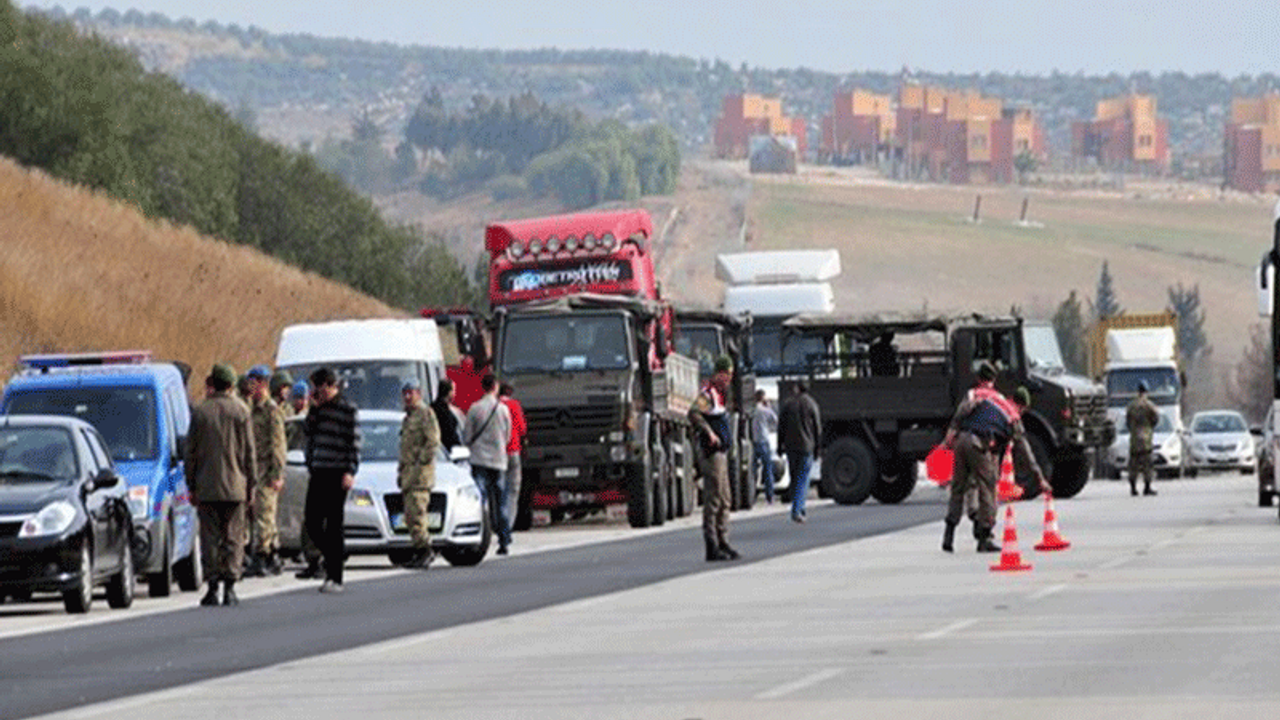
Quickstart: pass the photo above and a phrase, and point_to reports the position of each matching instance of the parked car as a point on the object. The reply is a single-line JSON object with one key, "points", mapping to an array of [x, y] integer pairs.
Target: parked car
{"points": [[141, 409], [1220, 440], [65, 524], [1266, 441], [373, 521], [1168, 456]]}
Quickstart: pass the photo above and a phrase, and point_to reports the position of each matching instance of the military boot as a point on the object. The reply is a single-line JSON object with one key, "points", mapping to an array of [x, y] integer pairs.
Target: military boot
{"points": [[1148, 490], [728, 552], [985, 543], [949, 537], [714, 553], [273, 566], [229, 594], [1133, 488], [255, 568], [210, 598]]}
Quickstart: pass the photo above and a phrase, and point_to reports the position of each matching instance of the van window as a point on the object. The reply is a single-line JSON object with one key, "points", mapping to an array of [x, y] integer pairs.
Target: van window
{"points": [[125, 416], [372, 385]]}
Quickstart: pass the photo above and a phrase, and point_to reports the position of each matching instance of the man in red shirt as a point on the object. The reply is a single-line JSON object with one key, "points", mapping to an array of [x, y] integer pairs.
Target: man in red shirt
{"points": [[511, 479]]}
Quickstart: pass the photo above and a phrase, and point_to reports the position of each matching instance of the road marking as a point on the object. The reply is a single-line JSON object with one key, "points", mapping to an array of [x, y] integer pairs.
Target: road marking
{"points": [[1115, 563], [807, 681], [942, 632], [1046, 592]]}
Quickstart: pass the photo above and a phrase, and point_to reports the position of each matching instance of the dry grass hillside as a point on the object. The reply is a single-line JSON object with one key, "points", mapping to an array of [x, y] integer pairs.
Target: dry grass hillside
{"points": [[81, 272]]}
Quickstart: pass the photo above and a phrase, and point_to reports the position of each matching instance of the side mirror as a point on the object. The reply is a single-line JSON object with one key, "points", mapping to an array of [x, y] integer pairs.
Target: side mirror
{"points": [[459, 454], [104, 479]]}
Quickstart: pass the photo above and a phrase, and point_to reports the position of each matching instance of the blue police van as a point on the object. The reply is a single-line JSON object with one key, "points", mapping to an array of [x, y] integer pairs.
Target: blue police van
{"points": [[140, 408]]}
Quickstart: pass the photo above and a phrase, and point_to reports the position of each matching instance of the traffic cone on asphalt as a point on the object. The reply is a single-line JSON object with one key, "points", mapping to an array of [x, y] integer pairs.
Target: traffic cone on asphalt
{"points": [[1010, 558], [1007, 489], [1052, 539]]}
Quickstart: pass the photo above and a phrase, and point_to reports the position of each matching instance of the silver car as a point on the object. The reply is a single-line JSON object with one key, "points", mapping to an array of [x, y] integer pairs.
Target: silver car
{"points": [[1220, 440], [373, 521]]}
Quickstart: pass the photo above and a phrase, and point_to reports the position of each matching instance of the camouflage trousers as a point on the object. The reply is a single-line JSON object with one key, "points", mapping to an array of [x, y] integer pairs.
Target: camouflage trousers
{"points": [[266, 507], [416, 501], [974, 470], [716, 498]]}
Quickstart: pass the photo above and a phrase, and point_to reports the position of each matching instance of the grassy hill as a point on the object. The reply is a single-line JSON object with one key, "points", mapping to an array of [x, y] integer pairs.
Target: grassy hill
{"points": [[81, 272]]}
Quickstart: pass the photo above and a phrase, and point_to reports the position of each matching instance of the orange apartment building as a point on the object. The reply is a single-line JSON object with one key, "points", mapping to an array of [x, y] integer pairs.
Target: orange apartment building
{"points": [[743, 116], [1125, 134], [1251, 152], [860, 128]]}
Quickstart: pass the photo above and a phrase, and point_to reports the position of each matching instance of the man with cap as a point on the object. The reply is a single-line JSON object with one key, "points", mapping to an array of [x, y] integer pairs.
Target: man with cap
{"points": [[221, 469], [983, 426], [300, 397], [281, 387], [270, 449], [710, 419], [1141, 418], [416, 473]]}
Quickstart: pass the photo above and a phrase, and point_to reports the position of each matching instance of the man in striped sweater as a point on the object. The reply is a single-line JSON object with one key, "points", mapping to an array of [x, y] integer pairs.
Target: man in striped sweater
{"points": [[332, 455]]}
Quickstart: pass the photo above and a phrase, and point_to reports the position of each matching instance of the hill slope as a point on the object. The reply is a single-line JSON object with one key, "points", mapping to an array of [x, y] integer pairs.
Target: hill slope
{"points": [[81, 272]]}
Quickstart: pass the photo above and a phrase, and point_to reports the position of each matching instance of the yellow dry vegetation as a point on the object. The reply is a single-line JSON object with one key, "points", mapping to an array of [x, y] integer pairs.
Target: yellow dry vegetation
{"points": [[81, 272]]}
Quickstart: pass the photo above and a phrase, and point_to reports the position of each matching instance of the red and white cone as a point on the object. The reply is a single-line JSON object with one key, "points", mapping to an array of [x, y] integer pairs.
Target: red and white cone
{"points": [[1007, 489], [1052, 540], [1010, 558]]}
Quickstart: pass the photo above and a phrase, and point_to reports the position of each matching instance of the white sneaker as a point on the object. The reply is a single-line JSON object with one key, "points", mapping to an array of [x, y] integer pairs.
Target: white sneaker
{"points": [[330, 586]]}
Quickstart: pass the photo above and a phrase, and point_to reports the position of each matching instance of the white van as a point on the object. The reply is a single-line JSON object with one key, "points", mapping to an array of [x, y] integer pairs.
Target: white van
{"points": [[373, 358]]}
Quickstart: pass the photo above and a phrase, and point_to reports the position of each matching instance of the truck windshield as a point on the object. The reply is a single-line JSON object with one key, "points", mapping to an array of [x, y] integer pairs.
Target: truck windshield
{"points": [[701, 344], [769, 357], [374, 384], [125, 416], [1042, 348], [1162, 385], [558, 343]]}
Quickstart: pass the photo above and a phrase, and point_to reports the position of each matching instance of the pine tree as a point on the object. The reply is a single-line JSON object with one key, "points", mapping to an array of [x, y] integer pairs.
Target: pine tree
{"points": [[1106, 305], [1192, 343]]}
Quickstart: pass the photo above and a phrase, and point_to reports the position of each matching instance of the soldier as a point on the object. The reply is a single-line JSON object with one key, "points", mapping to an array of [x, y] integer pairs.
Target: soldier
{"points": [[281, 388], [709, 415], [300, 397], [1141, 418], [269, 452], [983, 425], [220, 472], [416, 473]]}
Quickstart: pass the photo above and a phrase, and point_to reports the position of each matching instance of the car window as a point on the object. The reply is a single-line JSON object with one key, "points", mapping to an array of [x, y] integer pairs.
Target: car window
{"points": [[91, 460], [33, 452], [98, 447], [1219, 424]]}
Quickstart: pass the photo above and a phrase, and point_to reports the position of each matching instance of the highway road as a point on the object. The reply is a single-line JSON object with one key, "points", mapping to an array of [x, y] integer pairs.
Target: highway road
{"points": [[1164, 607]]}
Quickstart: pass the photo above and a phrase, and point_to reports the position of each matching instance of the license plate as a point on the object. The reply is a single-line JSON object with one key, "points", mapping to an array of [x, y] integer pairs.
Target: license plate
{"points": [[435, 521], [566, 472]]}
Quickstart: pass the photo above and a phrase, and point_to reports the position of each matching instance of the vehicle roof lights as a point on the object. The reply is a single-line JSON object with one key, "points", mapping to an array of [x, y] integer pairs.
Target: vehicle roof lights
{"points": [[122, 357]]}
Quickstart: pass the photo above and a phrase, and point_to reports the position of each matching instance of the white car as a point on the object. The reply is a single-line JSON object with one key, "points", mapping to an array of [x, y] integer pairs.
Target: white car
{"points": [[1220, 440], [373, 521], [1168, 456]]}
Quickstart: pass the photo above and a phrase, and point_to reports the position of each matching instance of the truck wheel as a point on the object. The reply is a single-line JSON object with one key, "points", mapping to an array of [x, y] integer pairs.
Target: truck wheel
{"points": [[639, 495], [524, 507], [747, 474], [1070, 476], [1023, 476], [849, 471], [895, 489], [1265, 499], [688, 485], [188, 570], [658, 465], [160, 582]]}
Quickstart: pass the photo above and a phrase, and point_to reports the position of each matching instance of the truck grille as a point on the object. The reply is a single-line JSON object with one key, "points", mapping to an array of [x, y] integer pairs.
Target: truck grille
{"points": [[1090, 413], [571, 424]]}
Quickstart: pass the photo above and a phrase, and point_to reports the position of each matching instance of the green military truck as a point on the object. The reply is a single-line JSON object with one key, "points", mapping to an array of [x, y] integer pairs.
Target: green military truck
{"points": [[882, 413]]}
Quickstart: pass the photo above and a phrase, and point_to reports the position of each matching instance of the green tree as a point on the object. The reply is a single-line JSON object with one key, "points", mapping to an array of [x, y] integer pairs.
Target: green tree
{"points": [[1025, 163], [1250, 384], [1192, 342], [1106, 306], [1069, 326]]}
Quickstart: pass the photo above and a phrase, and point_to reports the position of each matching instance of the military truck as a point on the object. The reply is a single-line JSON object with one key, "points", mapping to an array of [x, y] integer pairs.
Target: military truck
{"points": [[878, 425]]}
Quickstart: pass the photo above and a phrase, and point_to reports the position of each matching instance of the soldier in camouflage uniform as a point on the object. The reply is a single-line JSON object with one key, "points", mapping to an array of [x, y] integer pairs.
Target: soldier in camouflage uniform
{"points": [[269, 448], [416, 474], [1141, 418]]}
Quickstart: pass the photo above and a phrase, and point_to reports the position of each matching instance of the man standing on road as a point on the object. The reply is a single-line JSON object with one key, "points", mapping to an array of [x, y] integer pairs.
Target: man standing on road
{"points": [[220, 473], [270, 449], [763, 422], [333, 456], [416, 473], [800, 436], [511, 478], [447, 415], [488, 430], [1141, 418], [710, 417], [981, 429]]}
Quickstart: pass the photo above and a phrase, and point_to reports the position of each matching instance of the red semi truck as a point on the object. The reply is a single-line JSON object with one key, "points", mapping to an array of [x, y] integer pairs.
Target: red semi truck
{"points": [[583, 333]]}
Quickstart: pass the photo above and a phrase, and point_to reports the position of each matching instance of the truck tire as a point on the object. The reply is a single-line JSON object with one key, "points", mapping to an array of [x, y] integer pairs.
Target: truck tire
{"points": [[524, 507], [896, 488], [640, 494], [747, 475], [849, 471], [160, 582], [661, 483], [688, 483], [1070, 476], [189, 571], [1023, 476]]}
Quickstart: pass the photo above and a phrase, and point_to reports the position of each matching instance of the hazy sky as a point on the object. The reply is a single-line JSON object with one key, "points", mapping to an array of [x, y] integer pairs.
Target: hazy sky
{"points": [[1032, 36]]}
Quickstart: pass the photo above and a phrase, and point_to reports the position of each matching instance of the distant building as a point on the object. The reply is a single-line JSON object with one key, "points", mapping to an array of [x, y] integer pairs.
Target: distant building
{"points": [[959, 136], [747, 115], [1251, 148], [1125, 134], [860, 128]]}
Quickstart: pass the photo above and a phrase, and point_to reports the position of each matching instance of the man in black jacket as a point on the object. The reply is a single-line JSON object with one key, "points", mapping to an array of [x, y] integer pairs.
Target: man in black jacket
{"points": [[332, 455], [800, 436], [447, 415]]}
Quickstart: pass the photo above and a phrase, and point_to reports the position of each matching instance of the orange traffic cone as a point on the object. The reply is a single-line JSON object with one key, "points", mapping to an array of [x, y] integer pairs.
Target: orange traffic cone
{"points": [[1007, 489], [1052, 539], [1010, 558]]}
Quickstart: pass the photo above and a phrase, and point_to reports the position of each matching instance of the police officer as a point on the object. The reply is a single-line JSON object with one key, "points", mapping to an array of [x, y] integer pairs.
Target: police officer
{"points": [[416, 473], [269, 452], [983, 425], [710, 417], [220, 472], [1141, 418]]}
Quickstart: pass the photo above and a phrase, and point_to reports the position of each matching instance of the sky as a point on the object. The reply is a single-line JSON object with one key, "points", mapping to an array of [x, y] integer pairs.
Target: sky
{"points": [[1034, 37]]}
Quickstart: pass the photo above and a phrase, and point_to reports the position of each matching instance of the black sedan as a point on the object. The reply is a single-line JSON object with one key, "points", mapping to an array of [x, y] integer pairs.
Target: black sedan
{"points": [[65, 525]]}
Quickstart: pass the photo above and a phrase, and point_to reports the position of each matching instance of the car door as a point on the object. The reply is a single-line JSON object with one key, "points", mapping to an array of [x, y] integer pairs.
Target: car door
{"points": [[114, 535], [97, 505]]}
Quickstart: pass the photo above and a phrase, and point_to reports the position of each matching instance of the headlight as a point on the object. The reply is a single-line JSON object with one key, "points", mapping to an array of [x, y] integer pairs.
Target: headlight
{"points": [[360, 498], [139, 497], [55, 518], [469, 492]]}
